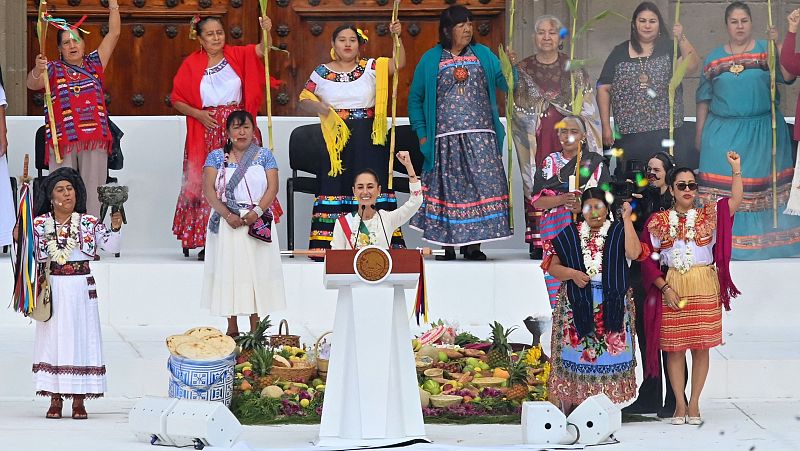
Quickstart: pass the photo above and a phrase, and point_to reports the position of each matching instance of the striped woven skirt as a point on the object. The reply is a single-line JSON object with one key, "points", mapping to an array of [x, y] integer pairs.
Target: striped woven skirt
{"points": [[552, 222], [698, 325]]}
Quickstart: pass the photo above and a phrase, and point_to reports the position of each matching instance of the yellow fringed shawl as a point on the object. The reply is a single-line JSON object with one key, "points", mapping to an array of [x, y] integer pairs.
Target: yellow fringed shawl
{"points": [[335, 132], [379, 125]]}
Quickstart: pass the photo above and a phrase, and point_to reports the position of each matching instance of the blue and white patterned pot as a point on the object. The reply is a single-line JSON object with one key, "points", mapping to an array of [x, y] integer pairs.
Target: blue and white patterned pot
{"points": [[206, 380]]}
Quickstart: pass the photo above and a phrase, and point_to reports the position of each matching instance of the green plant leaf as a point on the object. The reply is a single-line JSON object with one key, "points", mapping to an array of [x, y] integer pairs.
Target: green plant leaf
{"points": [[505, 66], [600, 16], [577, 103], [677, 77], [573, 7]]}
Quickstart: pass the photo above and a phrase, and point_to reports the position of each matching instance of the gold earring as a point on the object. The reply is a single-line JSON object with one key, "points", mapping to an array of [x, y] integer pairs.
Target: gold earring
{"points": [[333, 55]]}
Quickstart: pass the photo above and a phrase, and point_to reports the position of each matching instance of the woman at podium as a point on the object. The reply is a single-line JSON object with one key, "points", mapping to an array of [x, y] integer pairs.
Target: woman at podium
{"points": [[369, 226]]}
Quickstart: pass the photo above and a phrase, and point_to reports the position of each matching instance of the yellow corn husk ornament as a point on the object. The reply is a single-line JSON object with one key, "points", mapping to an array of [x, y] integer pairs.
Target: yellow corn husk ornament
{"points": [[41, 32], [379, 127], [335, 132], [772, 89]]}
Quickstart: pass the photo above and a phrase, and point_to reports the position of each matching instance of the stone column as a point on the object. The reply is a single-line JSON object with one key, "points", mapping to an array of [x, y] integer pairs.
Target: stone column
{"points": [[13, 45]]}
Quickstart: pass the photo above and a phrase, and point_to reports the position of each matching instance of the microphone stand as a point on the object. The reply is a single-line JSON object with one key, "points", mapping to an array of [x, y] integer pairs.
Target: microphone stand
{"points": [[358, 228], [388, 243]]}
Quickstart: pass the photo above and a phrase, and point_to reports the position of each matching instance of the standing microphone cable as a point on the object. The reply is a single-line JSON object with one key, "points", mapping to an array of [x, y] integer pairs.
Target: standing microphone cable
{"points": [[388, 243]]}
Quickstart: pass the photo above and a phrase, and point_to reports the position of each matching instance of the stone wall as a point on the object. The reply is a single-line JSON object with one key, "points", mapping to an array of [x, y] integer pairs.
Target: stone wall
{"points": [[12, 53], [703, 23]]}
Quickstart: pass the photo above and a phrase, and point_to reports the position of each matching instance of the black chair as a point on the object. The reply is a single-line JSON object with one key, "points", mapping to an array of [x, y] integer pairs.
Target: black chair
{"points": [[308, 154], [41, 149]]}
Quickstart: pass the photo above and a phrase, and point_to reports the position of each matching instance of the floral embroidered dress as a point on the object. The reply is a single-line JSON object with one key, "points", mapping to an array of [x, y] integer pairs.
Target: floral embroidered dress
{"points": [[591, 357], [466, 192], [68, 352], [352, 95]]}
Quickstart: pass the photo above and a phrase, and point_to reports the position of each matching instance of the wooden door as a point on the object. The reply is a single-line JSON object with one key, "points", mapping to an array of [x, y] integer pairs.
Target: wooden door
{"points": [[155, 41]]}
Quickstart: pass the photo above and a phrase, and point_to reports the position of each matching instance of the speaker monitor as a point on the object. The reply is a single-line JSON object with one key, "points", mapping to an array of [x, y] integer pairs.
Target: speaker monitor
{"points": [[542, 423], [148, 420], [184, 422], [596, 419]]}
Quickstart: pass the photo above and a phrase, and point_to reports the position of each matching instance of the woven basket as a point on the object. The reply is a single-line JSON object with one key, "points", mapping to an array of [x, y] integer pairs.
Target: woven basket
{"points": [[322, 364], [282, 339], [295, 374]]}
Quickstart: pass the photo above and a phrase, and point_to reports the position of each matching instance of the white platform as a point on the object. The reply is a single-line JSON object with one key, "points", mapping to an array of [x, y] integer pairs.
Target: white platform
{"points": [[146, 297]]}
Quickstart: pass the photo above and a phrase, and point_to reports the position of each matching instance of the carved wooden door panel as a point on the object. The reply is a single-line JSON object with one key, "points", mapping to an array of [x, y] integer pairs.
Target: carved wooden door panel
{"points": [[155, 41], [304, 28]]}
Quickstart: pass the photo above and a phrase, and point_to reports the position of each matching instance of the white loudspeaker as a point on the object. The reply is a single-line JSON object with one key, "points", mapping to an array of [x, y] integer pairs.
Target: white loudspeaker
{"points": [[184, 422], [543, 423], [596, 419], [148, 420]]}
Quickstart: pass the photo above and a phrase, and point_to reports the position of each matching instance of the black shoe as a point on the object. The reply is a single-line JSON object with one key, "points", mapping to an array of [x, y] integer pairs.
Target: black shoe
{"points": [[202, 255], [449, 254], [475, 255], [666, 412], [642, 407], [186, 252]]}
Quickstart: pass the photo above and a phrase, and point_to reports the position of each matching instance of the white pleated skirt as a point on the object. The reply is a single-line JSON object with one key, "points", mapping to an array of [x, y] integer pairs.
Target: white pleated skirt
{"points": [[242, 275], [68, 349]]}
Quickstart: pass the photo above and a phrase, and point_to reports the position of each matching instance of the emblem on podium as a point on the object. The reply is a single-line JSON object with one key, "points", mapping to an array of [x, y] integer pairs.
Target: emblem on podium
{"points": [[372, 264]]}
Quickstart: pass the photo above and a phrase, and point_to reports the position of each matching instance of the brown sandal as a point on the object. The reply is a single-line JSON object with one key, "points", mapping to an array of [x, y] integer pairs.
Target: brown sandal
{"points": [[78, 409], [54, 412]]}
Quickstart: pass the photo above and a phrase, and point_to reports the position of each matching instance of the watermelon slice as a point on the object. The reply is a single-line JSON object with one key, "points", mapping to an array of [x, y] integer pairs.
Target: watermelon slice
{"points": [[432, 335]]}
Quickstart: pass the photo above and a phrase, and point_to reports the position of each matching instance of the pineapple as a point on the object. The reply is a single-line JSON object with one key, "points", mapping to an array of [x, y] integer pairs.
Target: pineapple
{"points": [[261, 359], [253, 340], [500, 351], [517, 381]]}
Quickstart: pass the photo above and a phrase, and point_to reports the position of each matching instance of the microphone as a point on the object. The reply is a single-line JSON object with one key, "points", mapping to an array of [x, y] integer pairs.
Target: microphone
{"points": [[361, 221], [388, 243]]}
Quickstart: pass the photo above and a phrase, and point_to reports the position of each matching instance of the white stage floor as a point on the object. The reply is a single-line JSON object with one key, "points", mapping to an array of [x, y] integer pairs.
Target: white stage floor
{"points": [[730, 425], [750, 399]]}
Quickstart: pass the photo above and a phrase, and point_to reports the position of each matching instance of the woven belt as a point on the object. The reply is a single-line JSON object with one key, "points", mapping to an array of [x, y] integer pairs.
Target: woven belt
{"points": [[78, 268]]}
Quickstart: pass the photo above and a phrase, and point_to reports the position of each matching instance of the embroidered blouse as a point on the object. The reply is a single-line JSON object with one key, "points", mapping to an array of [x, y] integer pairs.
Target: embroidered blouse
{"points": [[391, 221], [254, 184], [79, 107], [702, 247], [92, 234], [351, 94], [220, 85]]}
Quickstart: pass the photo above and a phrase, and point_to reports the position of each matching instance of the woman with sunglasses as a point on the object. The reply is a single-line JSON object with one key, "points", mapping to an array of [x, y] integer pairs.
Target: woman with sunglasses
{"points": [[695, 250]]}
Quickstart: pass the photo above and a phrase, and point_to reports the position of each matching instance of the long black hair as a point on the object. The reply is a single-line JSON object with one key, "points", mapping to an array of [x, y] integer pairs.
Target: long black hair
{"points": [[350, 27], [367, 171], [236, 118], [734, 6], [451, 17], [676, 172], [663, 33], [596, 193], [42, 198], [666, 160]]}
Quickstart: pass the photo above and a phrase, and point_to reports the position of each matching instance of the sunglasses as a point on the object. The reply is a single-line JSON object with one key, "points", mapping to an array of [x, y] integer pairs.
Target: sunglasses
{"points": [[681, 186]]}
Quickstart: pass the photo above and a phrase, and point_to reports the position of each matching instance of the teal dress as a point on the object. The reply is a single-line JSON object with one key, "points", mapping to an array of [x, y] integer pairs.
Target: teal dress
{"points": [[739, 119]]}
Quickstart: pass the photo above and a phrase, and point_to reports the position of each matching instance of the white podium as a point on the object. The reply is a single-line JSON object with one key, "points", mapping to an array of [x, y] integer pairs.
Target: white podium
{"points": [[371, 395]]}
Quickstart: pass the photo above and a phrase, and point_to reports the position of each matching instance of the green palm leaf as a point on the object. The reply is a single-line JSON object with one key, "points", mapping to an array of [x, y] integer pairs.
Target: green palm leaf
{"points": [[600, 16]]}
